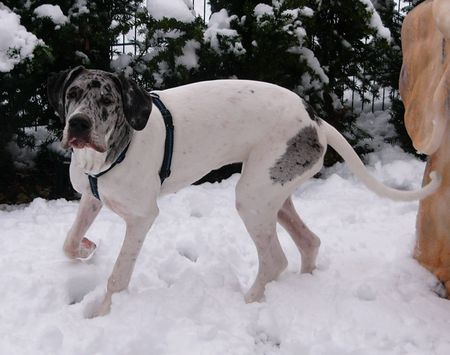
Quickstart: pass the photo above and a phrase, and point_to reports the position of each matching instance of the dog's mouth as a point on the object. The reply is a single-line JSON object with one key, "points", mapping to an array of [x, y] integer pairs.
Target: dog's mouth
{"points": [[81, 143], [78, 143]]}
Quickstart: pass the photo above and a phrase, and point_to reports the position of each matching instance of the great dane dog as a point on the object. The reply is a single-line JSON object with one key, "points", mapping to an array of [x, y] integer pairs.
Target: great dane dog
{"points": [[276, 135]]}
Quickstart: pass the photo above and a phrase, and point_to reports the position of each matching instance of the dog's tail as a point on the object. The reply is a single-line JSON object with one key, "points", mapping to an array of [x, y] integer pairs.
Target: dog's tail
{"points": [[345, 150]]}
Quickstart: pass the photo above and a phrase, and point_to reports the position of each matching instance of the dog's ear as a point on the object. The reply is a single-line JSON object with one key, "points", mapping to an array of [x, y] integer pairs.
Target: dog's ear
{"points": [[57, 83], [137, 103]]}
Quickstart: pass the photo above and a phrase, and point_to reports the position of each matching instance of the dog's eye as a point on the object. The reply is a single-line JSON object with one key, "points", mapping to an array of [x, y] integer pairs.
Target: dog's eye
{"points": [[73, 94]]}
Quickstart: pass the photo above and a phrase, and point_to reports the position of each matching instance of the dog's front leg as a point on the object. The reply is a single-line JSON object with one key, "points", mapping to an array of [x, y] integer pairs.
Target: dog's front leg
{"points": [[76, 245], [136, 230]]}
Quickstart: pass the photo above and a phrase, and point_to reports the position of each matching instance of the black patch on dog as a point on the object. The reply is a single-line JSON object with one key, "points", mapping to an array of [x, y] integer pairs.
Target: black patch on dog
{"points": [[121, 136], [137, 103], [94, 84], [74, 94], [57, 84], [303, 151], [105, 114], [311, 112]]}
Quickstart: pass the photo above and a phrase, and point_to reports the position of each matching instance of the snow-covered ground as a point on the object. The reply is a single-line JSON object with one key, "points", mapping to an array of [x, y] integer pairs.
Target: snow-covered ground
{"points": [[367, 296]]}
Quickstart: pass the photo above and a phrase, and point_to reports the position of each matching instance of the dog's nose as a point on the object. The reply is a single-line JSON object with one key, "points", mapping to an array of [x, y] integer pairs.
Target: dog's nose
{"points": [[79, 125]]}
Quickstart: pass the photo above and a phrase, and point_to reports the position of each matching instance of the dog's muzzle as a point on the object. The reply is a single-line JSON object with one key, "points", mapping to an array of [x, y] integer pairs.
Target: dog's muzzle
{"points": [[79, 125], [79, 132]]}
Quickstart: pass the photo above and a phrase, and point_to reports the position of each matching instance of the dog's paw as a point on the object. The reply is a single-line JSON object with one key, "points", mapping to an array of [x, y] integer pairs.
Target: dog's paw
{"points": [[86, 250], [104, 308], [83, 251], [97, 308], [255, 294]]}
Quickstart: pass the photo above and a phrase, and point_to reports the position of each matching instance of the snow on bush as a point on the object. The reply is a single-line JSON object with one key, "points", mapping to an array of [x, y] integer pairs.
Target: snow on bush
{"points": [[79, 8], [263, 10], [53, 12], [219, 28], [16, 43], [121, 62], [181, 10], [308, 55], [294, 13], [24, 156], [375, 21], [293, 26], [189, 59]]}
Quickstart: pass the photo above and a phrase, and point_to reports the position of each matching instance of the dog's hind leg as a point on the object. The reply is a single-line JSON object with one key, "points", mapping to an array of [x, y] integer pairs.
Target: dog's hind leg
{"points": [[306, 241], [76, 245], [261, 225]]}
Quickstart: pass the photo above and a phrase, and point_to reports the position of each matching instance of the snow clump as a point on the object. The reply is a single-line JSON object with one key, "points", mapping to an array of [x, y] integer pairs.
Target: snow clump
{"points": [[219, 26], [263, 10], [181, 10], [16, 43], [375, 21], [53, 12], [189, 59]]}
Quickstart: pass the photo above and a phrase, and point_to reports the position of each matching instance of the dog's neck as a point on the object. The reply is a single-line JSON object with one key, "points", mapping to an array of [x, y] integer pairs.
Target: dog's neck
{"points": [[90, 161], [93, 162]]}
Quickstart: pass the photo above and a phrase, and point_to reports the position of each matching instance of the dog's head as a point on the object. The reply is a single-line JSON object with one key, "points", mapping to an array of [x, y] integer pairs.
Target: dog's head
{"points": [[99, 110]]}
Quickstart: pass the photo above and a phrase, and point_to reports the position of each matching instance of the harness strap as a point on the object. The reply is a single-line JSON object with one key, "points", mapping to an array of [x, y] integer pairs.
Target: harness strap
{"points": [[93, 177], [164, 172]]}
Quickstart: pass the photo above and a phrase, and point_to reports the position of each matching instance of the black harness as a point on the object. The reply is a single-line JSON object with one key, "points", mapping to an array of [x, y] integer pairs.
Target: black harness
{"points": [[164, 172]]}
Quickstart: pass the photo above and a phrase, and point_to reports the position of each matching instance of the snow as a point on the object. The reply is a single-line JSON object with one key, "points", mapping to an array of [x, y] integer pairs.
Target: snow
{"points": [[294, 13], [379, 125], [84, 57], [375, 21], [79, 8], [189, 58], [219, 26], [54, 12], [16, 43], [41, 136], [368, 296], [263, 10], [313, 63], [182, 10], [306, 11], [121, 62]]}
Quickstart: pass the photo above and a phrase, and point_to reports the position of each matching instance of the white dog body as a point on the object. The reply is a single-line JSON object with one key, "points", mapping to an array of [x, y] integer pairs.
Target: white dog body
{"points": [[279, 140], [216, 123]]}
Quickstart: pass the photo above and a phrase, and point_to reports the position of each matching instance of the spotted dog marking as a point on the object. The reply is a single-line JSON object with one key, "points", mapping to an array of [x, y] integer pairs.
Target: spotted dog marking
{"points": [[98, 97], [303, 151]]}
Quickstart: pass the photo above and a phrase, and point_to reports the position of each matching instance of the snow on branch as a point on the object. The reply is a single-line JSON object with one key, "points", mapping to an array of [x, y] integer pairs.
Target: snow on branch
{"points": [[375, 21], [16, 43], [53, 12], [181, 10], [219, 26]]}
